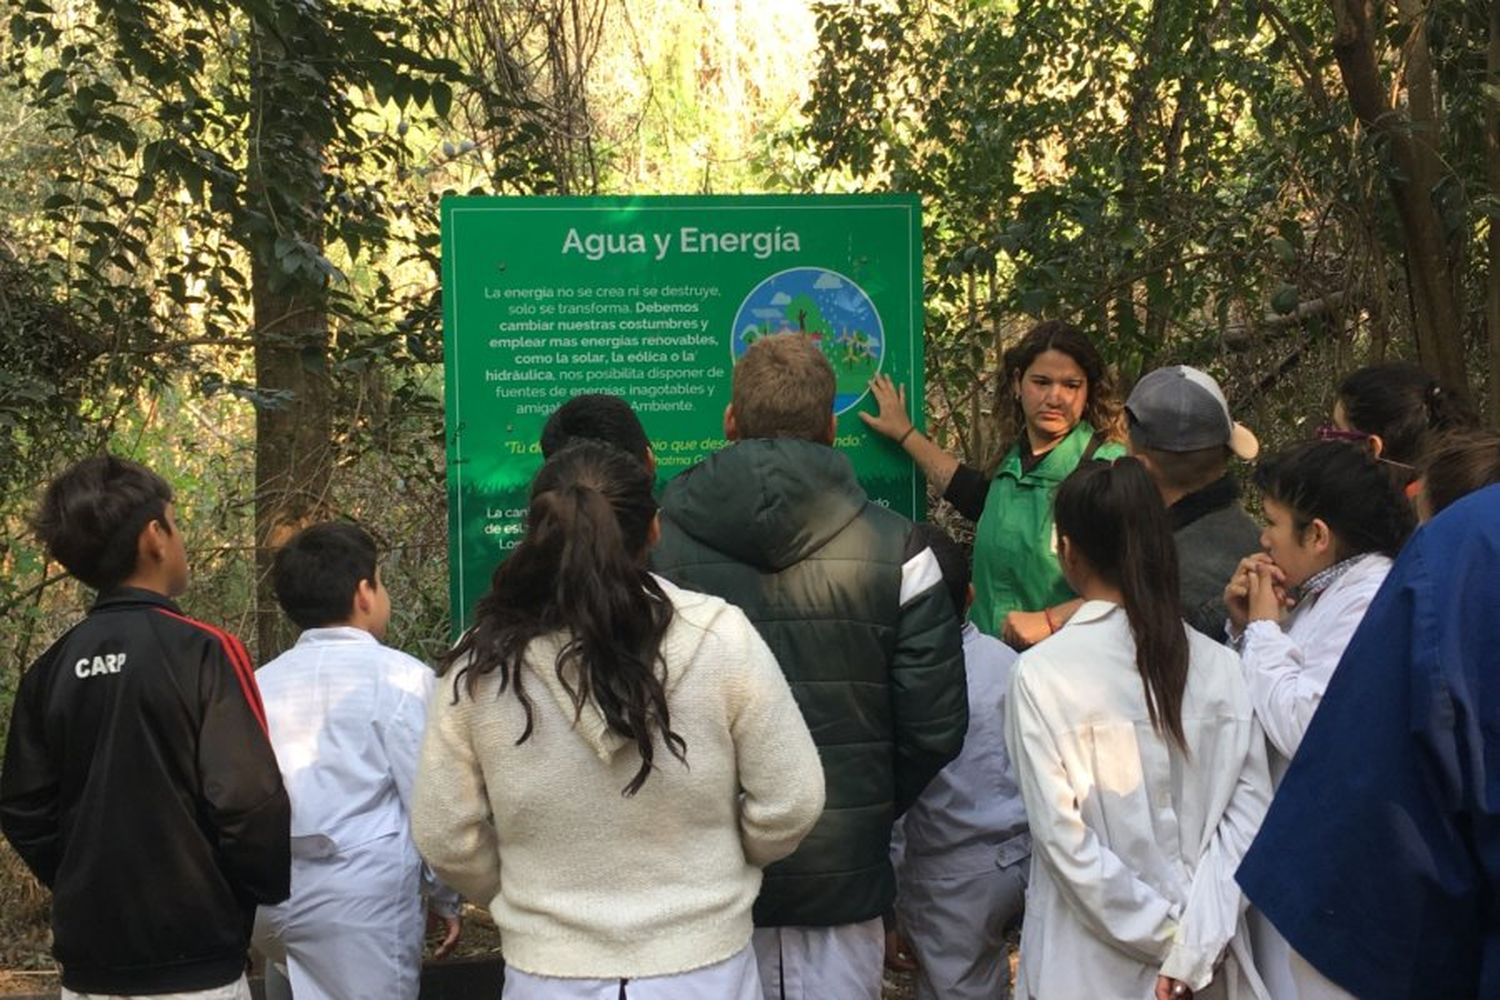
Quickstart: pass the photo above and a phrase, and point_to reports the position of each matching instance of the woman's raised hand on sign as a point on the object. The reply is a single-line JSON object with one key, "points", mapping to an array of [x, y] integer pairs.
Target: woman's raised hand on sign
{"points": [[892, 421]]}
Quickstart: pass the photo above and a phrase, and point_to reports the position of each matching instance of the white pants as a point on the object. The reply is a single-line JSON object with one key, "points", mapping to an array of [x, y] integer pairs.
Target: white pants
{"points": [[821, 963], [1312, 984], [956, 928], [237, 990], [1287, 975], [732, 979], [353, 927]]}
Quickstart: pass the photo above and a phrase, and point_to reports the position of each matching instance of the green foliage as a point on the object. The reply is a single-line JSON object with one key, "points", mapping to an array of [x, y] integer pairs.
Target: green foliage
{"points": [[47, 353], [1167, 173], [150, 179], [1156, 171], [198, 139], [159, 213]]}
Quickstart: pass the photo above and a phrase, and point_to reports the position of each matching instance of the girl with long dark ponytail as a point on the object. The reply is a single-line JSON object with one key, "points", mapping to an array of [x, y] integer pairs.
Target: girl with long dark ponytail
{"points": [[1142, 767], [1141, 562], [580, 569], [615, 758]]}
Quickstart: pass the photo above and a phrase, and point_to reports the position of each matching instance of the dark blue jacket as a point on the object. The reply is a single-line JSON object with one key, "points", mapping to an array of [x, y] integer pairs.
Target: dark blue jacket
{"points": [[1380, 858]]}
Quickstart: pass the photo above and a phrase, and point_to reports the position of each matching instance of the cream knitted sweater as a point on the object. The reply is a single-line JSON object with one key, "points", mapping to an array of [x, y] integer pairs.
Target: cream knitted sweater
{"points": [[584, 881]]}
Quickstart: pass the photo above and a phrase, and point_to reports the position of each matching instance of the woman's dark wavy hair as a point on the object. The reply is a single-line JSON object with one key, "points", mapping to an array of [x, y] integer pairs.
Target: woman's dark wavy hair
{"points": [[1342, 484], [1112, 515], [579, 570], [1406, 406], [1104, 410]]}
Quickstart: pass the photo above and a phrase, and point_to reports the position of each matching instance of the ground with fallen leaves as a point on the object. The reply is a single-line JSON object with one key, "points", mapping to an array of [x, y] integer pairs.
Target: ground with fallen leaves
{"points": [[26, 966]]}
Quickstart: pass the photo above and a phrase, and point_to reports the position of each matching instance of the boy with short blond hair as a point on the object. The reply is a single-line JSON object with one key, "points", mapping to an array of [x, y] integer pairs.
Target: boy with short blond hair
{"points": [[783, 387], [850, 599]]}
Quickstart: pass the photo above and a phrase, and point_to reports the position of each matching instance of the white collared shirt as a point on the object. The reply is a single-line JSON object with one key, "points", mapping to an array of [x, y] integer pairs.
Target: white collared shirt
{"points": [[970, 817], [1134, 843], [346, 716]]}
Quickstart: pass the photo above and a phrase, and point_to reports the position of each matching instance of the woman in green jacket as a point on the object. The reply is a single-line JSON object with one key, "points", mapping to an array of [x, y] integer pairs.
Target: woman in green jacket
{"points": [[1058, 408]]}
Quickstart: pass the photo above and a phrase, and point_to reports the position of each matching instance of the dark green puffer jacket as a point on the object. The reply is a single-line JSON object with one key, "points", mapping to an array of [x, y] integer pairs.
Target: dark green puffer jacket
{"points": [[856, 613]]}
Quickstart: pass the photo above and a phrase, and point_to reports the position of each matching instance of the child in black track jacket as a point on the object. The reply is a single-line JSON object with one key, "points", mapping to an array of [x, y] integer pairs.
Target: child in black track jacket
{"points": [[138, 781]]}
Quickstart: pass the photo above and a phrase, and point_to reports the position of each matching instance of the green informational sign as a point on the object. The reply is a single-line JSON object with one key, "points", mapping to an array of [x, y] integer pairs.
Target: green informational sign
{"points": [[652, 299]]}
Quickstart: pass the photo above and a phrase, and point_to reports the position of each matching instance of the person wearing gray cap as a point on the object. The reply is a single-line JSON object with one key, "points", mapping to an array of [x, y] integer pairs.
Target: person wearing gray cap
{"points": [[1181, 430]]}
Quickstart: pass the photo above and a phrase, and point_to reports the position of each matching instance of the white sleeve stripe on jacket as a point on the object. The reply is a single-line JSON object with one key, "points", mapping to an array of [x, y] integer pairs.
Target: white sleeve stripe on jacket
{"points": [[918, 574]]}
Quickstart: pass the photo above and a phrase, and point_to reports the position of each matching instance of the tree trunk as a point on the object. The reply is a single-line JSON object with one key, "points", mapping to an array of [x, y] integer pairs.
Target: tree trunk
{"points": [[1492, 172], [293, 435], [1143, 101], [1436, 314], [294, 415]]}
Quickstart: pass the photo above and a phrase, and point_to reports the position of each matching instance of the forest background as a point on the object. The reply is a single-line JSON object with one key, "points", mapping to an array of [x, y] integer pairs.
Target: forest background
{"points": [[219, 227]]}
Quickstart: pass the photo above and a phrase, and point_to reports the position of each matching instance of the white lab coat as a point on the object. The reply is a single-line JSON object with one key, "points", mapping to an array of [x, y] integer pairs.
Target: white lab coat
{"points": [[960, 851], [1287, 669], [346, 716], [1134, 844]]}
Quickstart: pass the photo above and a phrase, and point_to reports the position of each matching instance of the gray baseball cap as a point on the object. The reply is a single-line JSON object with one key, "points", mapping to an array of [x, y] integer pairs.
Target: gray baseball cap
{"points": [[1183, 409]]}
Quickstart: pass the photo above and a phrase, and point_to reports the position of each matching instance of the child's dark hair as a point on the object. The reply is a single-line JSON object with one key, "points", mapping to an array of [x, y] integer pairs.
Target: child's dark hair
{"points": [[317, 572], [579, 571], [1459, 465], [595, 416], [1113, 516], [1404, 405], [952, 563], [1345, 487], [91, 517]]}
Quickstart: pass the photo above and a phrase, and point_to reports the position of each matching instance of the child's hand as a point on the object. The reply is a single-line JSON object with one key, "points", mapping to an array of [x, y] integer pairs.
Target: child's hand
{"points": [[1170, 989], [452, 926], [898, 956], [1237, 593], [892, 420], [1265, 597]]}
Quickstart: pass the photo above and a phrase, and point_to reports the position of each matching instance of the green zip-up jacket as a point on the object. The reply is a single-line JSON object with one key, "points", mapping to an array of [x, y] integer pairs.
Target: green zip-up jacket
{"points": [[1015, 551], [856, 613]]}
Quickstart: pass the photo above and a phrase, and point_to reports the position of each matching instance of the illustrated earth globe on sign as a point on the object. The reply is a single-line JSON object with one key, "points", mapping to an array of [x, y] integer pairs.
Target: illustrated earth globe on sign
{"points": [[830, 308]]}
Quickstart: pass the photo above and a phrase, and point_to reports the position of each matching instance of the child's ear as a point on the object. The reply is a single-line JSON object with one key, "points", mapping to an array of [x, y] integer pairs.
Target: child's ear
{"points": [[364, 596], [152, 543], [1319, 535], [731, 426], [1065, 553]]}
